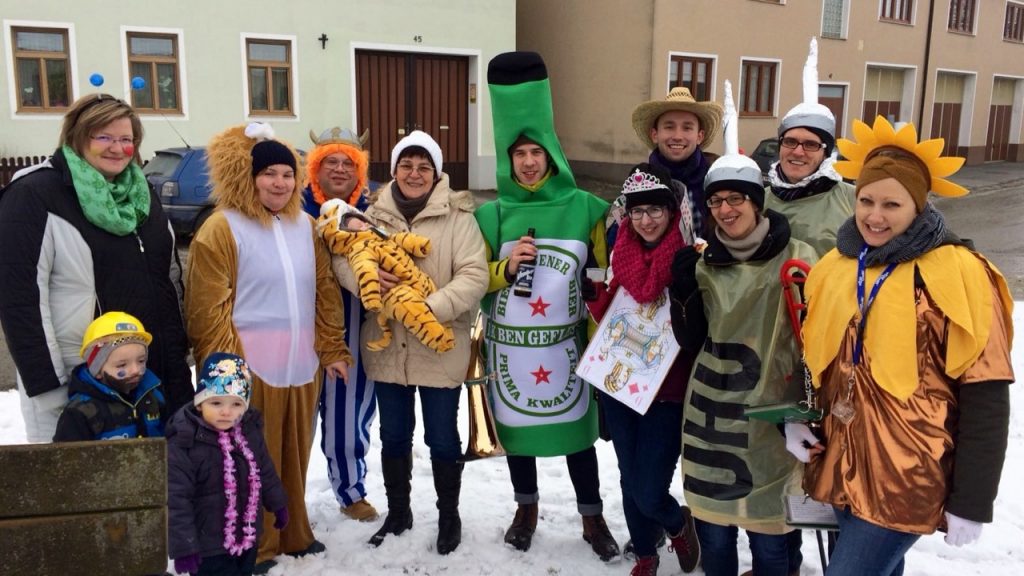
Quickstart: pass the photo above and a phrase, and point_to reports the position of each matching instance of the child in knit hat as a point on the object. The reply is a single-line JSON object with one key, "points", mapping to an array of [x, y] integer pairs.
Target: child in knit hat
{"points": [[220, 474], [112, 393]]}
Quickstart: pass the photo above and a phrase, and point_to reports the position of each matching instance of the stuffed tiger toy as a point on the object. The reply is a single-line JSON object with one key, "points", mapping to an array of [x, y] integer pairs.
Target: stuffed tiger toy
{"points": [[370, 249]]}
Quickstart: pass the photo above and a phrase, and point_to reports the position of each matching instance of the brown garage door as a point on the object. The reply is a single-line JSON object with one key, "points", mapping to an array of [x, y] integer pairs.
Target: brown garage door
{"points": [[398, 92], [1000, 112]]}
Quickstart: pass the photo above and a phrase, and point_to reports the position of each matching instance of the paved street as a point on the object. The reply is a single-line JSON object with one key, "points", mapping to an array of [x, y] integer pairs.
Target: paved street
{"points": [[992, 216]]}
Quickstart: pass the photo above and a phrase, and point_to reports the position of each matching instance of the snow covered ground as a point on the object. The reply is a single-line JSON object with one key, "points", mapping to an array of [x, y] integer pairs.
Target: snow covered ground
{"points": [[558, 549]]}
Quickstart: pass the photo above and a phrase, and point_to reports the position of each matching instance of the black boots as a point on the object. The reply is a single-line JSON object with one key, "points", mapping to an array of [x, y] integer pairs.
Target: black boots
{"points": [[520, 533], [397, 476], [448, 484], [596, 533]]}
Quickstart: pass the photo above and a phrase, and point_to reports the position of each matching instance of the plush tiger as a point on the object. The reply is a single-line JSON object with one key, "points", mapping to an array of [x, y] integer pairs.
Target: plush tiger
{"points": [[369, 250]]}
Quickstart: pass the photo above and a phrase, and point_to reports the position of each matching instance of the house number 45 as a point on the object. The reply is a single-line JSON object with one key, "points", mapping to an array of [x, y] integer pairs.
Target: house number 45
{"points": [[417, 39]]}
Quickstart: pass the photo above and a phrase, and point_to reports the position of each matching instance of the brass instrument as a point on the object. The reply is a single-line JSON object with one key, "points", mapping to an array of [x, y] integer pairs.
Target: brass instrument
{"points": [[483, 435]]}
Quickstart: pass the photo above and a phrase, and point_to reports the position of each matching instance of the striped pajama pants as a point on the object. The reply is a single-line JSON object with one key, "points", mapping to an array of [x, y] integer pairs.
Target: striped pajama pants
{"points": [[346, 412]]}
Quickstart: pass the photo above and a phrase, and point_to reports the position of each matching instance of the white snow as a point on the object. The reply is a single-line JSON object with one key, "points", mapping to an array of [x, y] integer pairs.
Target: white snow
{"points": [[558, 549]]}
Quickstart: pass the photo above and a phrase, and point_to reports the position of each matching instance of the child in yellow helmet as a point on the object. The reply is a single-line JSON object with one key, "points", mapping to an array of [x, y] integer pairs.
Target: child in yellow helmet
{"points": [[112, 394]]}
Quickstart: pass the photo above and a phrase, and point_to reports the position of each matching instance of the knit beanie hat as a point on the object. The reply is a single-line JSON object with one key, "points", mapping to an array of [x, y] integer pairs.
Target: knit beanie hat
{"points": [[890, 162], [269, 153], [809, 114], [107, 333], [734, 171], [223, 374], [648, 184], [422, 140]]}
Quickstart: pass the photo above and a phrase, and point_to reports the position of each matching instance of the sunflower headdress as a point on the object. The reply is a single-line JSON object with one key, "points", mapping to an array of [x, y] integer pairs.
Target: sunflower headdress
{"points": [[871, 140]]}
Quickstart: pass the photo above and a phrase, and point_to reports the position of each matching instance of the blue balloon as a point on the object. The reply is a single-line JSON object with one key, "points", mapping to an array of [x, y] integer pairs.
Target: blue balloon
{"points": [[138, 83], [96, 79]]}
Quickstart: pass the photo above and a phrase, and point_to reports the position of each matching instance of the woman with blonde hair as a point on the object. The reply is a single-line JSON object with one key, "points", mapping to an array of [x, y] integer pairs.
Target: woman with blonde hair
{"points": [[83, 235]]}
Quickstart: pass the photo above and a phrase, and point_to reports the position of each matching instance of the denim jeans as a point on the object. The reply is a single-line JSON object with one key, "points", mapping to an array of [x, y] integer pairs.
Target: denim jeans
{"points": [[396, 404], [719, 556], [582, 472], [648, 448], [866, 549]]}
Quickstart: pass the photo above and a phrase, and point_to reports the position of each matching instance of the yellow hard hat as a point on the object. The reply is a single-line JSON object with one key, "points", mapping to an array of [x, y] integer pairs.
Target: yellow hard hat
{"points": [[114, 324]]}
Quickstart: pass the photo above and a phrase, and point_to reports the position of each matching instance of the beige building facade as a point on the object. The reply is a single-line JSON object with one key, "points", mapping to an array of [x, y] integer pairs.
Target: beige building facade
{"points": [[953, 68]]}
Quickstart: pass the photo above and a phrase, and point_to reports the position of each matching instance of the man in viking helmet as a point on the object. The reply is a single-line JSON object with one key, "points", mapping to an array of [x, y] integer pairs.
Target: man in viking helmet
{"points": [[337, 168]]}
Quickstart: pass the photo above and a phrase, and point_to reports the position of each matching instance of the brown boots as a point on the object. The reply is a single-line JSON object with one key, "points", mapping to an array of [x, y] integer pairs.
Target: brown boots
{"points": [[520, 533], [596, 533]]}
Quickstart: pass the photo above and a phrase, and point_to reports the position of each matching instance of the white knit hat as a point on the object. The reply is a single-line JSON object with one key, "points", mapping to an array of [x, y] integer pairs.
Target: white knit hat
{"points": [[423, 140]]}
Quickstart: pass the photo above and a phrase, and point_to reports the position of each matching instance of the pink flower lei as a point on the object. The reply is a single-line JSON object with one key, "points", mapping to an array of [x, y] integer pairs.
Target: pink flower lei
{"points": [[252, 505]]}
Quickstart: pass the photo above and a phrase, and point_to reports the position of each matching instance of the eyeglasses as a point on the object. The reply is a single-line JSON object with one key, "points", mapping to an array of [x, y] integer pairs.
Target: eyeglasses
{"points": [[124, 141], [336, 164], [731, 200], [654, 212], [807, 145], [424, 170]]}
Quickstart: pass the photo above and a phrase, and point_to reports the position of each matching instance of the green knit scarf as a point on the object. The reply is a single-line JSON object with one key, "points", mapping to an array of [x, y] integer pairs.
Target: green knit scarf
{"points": [[117, 207]]}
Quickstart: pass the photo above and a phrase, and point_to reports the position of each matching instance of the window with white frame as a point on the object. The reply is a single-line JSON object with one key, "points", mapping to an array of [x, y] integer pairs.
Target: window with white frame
{"points": [[269, 76], [155, 59], [896, 11], [757, 92], [961, 16], [42, 69], [693, 72], [833, 18], [1013, 27]]}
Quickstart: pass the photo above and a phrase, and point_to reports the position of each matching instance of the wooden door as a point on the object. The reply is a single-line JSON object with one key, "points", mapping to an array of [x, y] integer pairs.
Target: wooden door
{"points": [[946, 111], [833, 97], [398, 92], [997, 145]]}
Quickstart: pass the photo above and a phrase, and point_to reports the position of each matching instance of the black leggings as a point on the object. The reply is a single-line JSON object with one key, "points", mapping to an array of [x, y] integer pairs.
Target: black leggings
{"points": [[582, 471]]}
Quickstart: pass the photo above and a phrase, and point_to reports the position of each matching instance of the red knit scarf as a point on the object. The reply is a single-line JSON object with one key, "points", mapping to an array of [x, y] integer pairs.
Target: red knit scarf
{"points": [[645, 272]]}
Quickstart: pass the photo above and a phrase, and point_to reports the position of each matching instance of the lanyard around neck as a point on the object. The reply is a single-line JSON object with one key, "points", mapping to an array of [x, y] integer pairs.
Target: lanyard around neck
{"points": [[865, 305]]}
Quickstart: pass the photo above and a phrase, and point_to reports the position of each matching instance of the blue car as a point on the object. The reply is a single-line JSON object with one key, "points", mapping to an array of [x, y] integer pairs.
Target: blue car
{"points": [[181, 181]]}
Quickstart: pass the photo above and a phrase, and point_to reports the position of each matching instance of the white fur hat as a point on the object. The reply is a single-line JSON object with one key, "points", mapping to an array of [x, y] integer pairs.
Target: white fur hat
{"points": [[423, 140]]}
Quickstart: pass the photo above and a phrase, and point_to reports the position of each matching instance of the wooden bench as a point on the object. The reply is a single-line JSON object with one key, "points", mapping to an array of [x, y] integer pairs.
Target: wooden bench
{"points": [[84, 508]]}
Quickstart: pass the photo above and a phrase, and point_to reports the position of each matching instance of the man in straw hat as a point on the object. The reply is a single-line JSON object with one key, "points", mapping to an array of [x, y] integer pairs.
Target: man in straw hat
{"points": [[338, 168], [677, 130]]}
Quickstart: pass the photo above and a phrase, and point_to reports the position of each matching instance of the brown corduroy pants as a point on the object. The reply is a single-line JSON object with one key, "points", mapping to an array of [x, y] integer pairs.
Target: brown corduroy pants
{"points": [[289, 416]]}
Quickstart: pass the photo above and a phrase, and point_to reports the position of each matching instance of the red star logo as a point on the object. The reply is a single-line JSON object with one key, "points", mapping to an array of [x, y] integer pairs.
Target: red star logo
{"points": [[541, 375], [539, 307]]}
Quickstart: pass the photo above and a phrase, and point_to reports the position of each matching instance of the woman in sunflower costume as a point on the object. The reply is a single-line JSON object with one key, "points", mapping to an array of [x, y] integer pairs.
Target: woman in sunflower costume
{"points": [[908, 338]]}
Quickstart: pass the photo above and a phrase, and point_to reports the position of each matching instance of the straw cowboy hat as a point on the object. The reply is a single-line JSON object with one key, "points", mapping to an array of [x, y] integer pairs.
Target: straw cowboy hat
{"points": [[708, 113]]}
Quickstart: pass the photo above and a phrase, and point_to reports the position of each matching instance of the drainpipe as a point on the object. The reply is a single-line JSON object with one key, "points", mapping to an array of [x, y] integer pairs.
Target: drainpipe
{"points": [[927, 57]]}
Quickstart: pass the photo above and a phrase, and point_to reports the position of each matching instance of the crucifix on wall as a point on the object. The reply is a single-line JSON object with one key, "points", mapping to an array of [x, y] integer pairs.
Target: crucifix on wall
{"points": [[323, 41]]}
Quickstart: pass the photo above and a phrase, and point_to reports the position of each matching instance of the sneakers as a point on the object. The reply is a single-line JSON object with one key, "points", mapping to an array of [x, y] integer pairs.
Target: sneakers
{"points": [[360, 510], [520, 533], [645, 566], [630, 554], [685, 544], [596, 533]]}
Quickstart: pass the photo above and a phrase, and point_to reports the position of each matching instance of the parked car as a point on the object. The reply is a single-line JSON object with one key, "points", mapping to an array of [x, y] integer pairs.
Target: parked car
{"points": [[180, 179], [766, 154]]}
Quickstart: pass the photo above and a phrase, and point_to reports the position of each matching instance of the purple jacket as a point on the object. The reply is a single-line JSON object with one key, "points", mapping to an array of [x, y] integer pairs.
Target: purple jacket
{"points": [[195, 483]]}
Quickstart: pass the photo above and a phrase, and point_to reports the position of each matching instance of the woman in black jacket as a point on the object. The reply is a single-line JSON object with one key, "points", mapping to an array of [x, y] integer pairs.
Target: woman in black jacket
{"points": [[83, 234]]}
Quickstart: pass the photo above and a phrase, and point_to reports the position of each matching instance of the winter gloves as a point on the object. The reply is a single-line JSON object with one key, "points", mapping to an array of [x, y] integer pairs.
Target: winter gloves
{"points": [[187, 564], [280, 518], [961, 531], [801, 442]]}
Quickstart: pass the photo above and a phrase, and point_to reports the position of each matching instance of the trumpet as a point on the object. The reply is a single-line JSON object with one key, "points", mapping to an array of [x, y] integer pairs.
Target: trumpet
{"points": [[483, 435]]}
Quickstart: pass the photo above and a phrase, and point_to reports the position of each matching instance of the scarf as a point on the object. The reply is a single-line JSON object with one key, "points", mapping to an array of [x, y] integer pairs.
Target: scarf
{"points": [[409, 208], [118, 206], [645, 271], [690, 172], [822, 180], [252, 504], [743, 249], [926, 232]]}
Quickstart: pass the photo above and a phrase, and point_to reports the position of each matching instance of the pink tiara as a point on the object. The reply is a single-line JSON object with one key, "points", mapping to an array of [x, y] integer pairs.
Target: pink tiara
{"points": [[642, 182]]}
